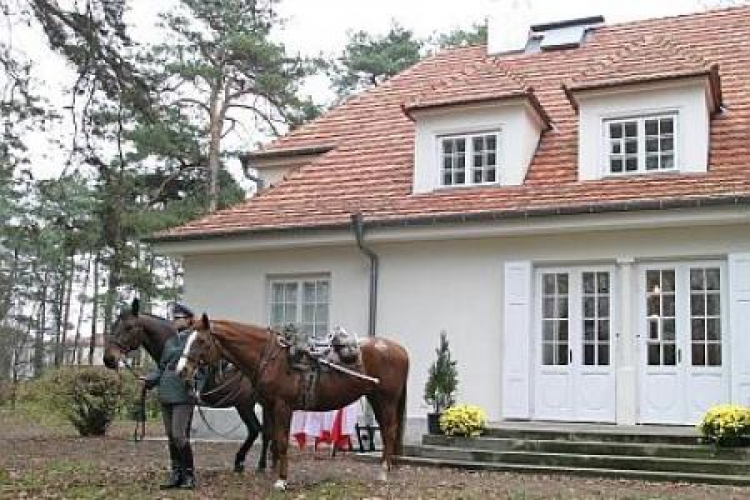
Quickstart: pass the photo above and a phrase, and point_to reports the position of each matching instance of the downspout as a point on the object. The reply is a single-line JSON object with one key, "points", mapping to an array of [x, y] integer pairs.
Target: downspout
{"points": [[358, 226]]}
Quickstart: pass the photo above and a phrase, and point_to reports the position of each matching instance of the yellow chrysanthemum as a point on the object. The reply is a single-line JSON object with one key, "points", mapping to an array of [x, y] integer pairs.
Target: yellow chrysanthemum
{"points": [[725, 424], [463, 420]]}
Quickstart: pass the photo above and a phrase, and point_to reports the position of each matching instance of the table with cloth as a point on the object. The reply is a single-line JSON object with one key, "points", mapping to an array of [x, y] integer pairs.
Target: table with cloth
{"points": [[335, 427]]}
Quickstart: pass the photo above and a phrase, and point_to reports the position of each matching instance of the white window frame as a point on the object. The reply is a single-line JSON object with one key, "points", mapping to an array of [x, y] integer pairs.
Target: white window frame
{"points": [[299, 281], [469, 158], [640, 118]]}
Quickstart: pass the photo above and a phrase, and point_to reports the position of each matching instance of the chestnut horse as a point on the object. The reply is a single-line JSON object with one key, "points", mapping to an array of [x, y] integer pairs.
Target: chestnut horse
{"points": [[262, 355], [134, 329]]}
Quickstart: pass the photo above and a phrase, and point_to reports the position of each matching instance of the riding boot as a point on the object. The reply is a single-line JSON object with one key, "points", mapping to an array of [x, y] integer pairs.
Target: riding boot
{"points": [[176, 478], [188, 478]]}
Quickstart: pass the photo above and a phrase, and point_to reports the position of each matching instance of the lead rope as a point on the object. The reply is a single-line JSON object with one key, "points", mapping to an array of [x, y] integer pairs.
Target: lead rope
{"points": [[139, 433]]}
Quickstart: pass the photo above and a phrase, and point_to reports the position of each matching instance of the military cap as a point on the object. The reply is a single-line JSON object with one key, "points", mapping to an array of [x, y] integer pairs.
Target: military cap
{"points": [[181, 311]]}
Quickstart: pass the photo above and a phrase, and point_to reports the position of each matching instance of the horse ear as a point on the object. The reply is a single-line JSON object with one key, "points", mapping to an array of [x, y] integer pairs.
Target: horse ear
{"points": [[204, 322], [135, 306]]}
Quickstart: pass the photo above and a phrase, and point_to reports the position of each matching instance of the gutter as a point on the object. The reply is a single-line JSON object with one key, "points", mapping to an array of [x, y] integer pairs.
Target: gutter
{"points": [[476, 217], [358, 227]]}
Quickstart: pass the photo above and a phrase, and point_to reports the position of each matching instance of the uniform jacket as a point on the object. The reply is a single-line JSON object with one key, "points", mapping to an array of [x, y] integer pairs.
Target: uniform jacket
{"points": [[172, 389]]}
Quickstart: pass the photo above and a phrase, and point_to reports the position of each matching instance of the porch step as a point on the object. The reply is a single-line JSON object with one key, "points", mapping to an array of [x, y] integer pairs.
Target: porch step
{"points": [[584, 461], [609, 434], [576, 471], [638, 452], [624, 449]]}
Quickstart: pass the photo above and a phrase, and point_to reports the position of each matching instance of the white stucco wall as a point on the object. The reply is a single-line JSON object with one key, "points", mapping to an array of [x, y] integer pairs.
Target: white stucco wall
{"points": [[686, 98], [519, 136], [430, 286]]}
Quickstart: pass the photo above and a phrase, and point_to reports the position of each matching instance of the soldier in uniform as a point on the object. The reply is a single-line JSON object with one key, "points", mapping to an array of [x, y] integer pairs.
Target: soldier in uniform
{"points": [[177, 401]]}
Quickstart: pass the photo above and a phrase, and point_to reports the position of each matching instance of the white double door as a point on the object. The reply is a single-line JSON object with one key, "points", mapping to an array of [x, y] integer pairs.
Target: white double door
{"points": [[574, 313], [682, 341]]}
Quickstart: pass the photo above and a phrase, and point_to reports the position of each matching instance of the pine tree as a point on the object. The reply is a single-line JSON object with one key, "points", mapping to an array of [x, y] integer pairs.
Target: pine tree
{"points": [[442, 380]]}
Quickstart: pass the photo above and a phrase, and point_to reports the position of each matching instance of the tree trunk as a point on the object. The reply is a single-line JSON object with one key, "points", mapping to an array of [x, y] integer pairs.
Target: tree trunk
{"points": [[216, 120], [40, 353], [77, 354], [94, 310], [68, 300]]}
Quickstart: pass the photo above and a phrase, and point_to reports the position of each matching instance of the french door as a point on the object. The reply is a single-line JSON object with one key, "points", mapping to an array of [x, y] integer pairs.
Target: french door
{"points": [[682, 341], [575, 314]]}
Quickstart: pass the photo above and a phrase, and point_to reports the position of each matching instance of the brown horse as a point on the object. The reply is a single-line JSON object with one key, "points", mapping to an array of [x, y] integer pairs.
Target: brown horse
{"points": [[262, 355], [134, 329]]}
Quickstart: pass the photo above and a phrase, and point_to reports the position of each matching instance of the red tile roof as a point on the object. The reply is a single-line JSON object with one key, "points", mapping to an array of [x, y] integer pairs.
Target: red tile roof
{"points": [[370, 168]]}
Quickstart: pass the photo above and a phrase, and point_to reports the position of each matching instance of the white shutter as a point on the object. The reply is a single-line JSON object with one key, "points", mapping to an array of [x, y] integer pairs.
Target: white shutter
{"points": [[517, 341], [739, 326]]}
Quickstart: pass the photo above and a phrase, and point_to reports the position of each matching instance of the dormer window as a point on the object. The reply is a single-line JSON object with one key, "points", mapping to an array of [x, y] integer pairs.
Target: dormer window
{"points": [[470, 159], [640, 144]]}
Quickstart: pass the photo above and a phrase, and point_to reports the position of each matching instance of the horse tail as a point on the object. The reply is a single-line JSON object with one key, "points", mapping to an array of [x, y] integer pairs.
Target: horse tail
{"points": [[399, 448]]}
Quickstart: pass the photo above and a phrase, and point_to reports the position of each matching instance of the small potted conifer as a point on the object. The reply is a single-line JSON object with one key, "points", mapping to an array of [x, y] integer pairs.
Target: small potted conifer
{"points": [[442, 381]]}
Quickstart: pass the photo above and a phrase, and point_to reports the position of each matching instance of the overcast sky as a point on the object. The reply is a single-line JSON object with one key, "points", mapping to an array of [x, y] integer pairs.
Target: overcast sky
{"points": [[321, 26]]}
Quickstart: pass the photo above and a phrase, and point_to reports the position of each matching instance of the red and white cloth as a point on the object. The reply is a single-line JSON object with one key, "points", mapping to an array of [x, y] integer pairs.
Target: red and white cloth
{"points": [[335, 427]]}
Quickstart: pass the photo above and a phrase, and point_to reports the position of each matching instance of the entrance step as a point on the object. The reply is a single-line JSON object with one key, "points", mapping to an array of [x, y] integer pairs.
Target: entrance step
{"points": [[651, 453]]}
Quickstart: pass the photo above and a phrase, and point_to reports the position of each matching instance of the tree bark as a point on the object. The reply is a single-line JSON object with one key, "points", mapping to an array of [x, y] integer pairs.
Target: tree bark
{"points": [[77, 354], [94, 310]]}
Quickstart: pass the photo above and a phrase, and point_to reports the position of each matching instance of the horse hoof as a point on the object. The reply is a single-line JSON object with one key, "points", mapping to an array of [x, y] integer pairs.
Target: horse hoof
{"points": [[279, 485], [239, 468]]}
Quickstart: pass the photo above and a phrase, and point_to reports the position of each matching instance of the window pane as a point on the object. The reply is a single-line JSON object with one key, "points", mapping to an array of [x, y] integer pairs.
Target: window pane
{"points": [[667, 144], [548, 284], [669, 355], [588, 354], [668, 330], [290, 293], [631, 164], [668, 305], [603, 307], [654, 355], [615, 130], [562, 284], [697, 305], [652, 162], [667, 161], [631, 147], [460, 145], [714, 354], [491, 175], [697, 329], [588, 307], [478, 144], [652, 127], [547, 354], [308, 292], [588, 282], [588, 330], [562, 332], [491, 142], [460, 178], [668, 280], [491, 159], [548, 331], [562, 354], [603, 331], [631, 129], [698, 357], [278, 292], [712, 279], [447, 146], [713, 329], [667, 125], [697, 281], [603, 355], [615, 165]]}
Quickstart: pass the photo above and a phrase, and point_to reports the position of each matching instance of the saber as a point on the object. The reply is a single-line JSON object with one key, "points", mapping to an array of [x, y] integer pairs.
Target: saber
{"points": [[348, 371]]}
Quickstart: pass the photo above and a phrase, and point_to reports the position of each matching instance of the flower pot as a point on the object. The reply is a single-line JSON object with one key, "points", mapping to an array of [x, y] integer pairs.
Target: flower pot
{"points": [[433, 423]]}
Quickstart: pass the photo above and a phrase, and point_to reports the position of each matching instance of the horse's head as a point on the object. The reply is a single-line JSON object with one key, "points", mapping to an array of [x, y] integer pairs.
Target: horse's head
{"points": [[126, 335], [200, 349]]}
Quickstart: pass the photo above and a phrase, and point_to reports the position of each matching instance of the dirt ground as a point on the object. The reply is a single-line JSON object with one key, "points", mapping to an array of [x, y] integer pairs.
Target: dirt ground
{"points": [[39, 461]]}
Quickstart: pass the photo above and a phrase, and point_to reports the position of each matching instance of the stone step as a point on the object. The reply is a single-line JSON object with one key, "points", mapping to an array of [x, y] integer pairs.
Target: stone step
{"points": [[584, 461], [739, 480], [629, 434], [628, 449]]}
